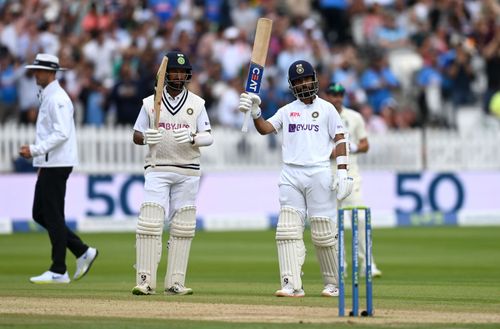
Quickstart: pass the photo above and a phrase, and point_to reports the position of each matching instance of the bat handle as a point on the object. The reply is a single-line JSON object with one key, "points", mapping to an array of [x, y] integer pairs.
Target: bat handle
{"points": [[153, 156], [244, 128]]}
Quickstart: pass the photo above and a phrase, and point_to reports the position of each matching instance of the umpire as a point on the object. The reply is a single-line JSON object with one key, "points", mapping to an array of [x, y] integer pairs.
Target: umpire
{"points": [[55, 153]]}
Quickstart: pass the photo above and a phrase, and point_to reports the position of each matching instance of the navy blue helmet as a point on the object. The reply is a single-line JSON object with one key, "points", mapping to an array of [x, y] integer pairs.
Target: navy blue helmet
{"points": [[296, 74], [177, 60]]}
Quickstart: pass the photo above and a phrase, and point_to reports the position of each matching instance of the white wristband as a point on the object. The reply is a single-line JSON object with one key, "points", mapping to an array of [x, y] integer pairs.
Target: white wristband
{"points": [[341, 160], [340, 141]]}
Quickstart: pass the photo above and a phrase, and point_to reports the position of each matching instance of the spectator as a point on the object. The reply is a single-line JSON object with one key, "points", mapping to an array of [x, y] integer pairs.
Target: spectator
{"points": [[379, 82], [234, 54], [460, 74], [374, 123], [126, 95], [8, 87], [431, 80], [491, 53], [29, 102]]}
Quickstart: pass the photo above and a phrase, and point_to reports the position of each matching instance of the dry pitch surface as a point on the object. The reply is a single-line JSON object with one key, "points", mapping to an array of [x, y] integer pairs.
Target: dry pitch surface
{"points": [[225, 312]]}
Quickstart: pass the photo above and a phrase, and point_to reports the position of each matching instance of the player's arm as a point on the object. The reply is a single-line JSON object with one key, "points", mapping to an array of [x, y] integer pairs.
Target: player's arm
{"points": [[138, 138], [361, 147], [200, 137], [142, 133], [341, 151]]}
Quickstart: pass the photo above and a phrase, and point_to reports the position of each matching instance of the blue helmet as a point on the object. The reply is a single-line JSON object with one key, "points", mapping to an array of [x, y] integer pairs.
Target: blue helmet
{"points": [[299, 70], [177, 60]]}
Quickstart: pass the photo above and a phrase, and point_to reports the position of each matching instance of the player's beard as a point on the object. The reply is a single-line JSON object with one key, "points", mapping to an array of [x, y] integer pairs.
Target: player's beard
{"points": [[176, 84]]}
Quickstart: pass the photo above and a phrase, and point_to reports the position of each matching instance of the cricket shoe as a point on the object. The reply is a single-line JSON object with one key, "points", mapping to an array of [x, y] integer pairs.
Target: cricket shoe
{"points": [[84, 262], [179, 290], [330, 291], [142, 289], [376, 273], [49, 277], [288, 291]]}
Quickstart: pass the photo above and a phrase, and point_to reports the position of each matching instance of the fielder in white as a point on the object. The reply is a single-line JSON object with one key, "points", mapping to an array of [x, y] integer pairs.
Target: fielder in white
{"points": [[171, 184], [358, 143], [311, 128]]}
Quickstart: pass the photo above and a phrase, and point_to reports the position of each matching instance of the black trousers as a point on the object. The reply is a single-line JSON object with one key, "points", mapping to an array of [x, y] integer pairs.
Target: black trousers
{"points": [[48, 211]]}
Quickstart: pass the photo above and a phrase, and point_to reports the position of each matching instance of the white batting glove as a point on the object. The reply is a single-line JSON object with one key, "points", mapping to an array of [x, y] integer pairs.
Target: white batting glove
{"points": [[250, 102], [343, 184], [183, 135], [353, 147], [153, 136]]}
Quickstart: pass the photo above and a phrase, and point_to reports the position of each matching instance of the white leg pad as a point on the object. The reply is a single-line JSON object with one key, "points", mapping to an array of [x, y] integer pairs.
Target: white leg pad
{"points": [[325, 239], [148, 242], [182, 231], [291, 248]]}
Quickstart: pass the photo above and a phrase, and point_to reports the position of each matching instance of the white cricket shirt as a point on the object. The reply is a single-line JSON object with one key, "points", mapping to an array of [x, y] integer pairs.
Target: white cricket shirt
{"points": [[308, 131], [55, 144], [355, 127]]}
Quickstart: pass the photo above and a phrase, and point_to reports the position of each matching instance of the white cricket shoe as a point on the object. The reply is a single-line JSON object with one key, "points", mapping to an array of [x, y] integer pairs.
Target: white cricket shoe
{"points": [[330, 291], [49, 277], [288, 291], [84, 262], [376, 273], [178, 289], [143, 288]]}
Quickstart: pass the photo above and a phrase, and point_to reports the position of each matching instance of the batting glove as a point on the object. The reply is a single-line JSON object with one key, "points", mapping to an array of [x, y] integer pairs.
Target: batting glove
{"points": [[343, 184], [250, 102], [153, 136], [183, 135]]}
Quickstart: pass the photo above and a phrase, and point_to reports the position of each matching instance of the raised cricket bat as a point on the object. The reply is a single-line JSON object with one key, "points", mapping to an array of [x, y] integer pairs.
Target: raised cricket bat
{"points": [[160, 79], [258, 61]]}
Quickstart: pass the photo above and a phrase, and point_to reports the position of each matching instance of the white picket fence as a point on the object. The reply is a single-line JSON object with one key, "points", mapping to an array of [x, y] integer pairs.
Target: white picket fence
{"points": [[110, 150]]}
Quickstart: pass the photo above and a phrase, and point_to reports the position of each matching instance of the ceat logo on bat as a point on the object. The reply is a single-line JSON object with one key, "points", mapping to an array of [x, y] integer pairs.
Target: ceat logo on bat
{"points": [[254, 78]]}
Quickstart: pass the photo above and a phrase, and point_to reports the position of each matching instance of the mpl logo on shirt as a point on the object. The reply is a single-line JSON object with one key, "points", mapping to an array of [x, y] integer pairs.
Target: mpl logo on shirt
{"points": [[294, 127]]}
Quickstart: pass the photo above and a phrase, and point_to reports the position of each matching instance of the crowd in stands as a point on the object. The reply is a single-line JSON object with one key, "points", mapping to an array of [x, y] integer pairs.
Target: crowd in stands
{"points": [[403, 63]]}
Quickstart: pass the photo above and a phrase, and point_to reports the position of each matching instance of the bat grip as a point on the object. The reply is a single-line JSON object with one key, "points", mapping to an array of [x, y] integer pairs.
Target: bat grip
{"points": [[244, 128]]}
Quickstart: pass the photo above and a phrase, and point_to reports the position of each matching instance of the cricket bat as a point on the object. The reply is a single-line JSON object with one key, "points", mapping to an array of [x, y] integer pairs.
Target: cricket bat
{"points": [[258, 61], [160, 80]]}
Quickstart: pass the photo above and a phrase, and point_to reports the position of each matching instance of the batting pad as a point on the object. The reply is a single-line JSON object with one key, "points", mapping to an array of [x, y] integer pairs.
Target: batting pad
{"points": [[324, 238], [291, 248], [148, 242], [182, 230]]}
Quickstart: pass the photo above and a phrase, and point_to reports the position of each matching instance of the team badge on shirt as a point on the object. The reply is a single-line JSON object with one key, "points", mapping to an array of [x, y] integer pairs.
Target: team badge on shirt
{"points": [[190, 111], [315, 114]]}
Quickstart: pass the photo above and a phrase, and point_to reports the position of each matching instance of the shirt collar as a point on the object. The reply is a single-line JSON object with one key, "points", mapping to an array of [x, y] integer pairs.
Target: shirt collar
{"points": [[178, 97], [50, 88]]}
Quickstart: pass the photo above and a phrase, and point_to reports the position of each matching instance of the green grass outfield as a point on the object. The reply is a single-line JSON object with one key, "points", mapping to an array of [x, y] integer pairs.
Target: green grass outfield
{"points": [[439, 277]]}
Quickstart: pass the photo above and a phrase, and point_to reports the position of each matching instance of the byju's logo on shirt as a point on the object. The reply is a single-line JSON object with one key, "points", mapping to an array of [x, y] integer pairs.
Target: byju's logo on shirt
{"points": [[293, 127]]}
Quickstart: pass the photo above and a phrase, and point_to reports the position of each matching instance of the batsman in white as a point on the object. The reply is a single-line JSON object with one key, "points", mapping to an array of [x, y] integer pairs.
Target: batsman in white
{"points": [[358, 143], [311, 128], [171, 184]]}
